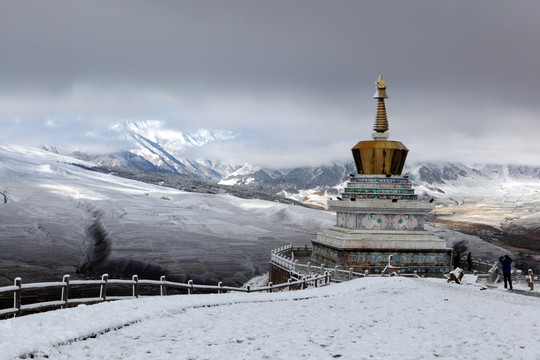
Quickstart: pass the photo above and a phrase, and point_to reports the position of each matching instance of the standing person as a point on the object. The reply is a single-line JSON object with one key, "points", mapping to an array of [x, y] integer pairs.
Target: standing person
{"points": [[506, 262], [469, 261], [456, 258]]}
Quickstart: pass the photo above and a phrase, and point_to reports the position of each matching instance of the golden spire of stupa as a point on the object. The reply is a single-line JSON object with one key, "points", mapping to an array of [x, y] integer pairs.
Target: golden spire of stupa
{"points": [[380, 156], [381, 122]]}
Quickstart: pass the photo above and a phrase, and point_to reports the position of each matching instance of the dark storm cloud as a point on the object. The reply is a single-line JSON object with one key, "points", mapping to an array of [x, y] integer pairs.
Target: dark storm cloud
{"points": [[458, 72]]}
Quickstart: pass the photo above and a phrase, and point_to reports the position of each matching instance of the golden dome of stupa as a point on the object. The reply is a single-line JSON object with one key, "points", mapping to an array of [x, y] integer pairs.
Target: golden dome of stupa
{"points": [[380, 156]]}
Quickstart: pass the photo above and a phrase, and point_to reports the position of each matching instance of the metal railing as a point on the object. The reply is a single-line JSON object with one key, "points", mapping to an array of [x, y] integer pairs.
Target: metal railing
{"points": [[283, 257], [135, 283]]}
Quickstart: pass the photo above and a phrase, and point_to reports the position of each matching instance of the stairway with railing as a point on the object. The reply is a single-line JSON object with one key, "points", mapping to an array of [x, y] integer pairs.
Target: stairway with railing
{"points": [[283, 257]]}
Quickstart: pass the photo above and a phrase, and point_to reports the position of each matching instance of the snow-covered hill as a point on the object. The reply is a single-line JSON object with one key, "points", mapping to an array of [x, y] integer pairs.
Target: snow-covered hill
{"points": [[50, 206], [371, 318], [505, 198]]}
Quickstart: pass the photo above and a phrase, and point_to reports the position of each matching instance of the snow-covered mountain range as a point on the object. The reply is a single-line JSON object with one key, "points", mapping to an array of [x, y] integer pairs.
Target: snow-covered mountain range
{"points": [[157, 149], [499, 202], [505, 198]]}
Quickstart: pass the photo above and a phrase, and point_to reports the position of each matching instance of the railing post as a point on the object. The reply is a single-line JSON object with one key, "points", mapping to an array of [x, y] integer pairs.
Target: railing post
{"points": [[65, 291], [336, 271], [103, 287], [270, 285], [220, 285], [135, 279], [493, 273], [289, 281], [303, 283], [322, 268], [326, 278], [190, 289], [162, 287], [350, 273], [17, 296], [366, 273]]}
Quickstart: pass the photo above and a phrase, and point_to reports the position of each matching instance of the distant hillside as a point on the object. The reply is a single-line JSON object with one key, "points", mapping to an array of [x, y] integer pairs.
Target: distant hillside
{"points": [[185, 183]]}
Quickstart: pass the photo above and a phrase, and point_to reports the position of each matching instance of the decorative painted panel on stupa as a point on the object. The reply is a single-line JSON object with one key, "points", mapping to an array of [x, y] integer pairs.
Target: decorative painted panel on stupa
{"points": [[380, 221], [378, 213]]}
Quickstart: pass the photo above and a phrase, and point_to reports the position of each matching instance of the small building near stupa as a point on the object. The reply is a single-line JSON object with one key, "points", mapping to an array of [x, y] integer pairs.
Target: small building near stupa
{"points": [[378, 214]]}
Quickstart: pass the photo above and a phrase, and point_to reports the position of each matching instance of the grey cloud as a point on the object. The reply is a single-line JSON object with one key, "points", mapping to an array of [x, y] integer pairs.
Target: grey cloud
{"points": [[295, 77]]}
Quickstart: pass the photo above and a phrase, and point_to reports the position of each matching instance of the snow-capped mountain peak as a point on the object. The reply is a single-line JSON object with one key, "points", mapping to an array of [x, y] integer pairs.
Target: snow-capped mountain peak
{"points": [[173, 141], [157, 148]]}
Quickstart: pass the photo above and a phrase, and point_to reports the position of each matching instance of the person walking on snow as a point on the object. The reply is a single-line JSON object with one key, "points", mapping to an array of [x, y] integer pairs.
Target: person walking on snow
{"points": [[506, 262]]}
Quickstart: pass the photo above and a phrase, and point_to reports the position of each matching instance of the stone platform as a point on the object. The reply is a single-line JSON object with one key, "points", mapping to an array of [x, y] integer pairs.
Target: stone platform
{"points": [[374, 259]]}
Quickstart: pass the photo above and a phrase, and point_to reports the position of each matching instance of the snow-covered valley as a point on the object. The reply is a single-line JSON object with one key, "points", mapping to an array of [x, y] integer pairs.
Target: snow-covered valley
{"points": [[153, 230]]}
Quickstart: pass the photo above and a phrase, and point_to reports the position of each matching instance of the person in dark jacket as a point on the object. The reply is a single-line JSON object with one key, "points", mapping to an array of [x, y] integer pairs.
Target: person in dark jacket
{"points": [[506, 262], [469, 261]]}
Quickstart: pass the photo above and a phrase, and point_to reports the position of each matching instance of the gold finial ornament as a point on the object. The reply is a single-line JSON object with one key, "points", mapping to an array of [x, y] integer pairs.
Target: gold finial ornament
{"points": [[381, 88], [381, 121], [380, 156]]}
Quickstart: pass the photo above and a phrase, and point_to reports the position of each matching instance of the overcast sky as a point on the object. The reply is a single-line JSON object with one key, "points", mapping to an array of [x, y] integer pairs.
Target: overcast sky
{"points": [[293, 79]]}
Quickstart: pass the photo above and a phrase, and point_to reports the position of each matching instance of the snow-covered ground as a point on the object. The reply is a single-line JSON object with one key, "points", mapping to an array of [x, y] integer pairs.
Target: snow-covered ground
{"points": [[207, 237], [50, 203], [495, 203], [371, 318]]}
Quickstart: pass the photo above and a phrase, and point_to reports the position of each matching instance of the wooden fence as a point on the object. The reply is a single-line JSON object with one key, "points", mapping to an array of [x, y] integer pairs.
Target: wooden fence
{"points": [[135, 283]]}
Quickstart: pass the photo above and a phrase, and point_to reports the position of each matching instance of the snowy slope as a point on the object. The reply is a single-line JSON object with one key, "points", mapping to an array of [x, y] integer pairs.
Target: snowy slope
{"points": [[152, 230], [372, 318], [491, 195]]}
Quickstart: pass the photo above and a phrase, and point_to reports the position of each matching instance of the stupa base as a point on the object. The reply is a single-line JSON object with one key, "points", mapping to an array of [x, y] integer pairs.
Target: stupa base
{"points": [[374, 260]]}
